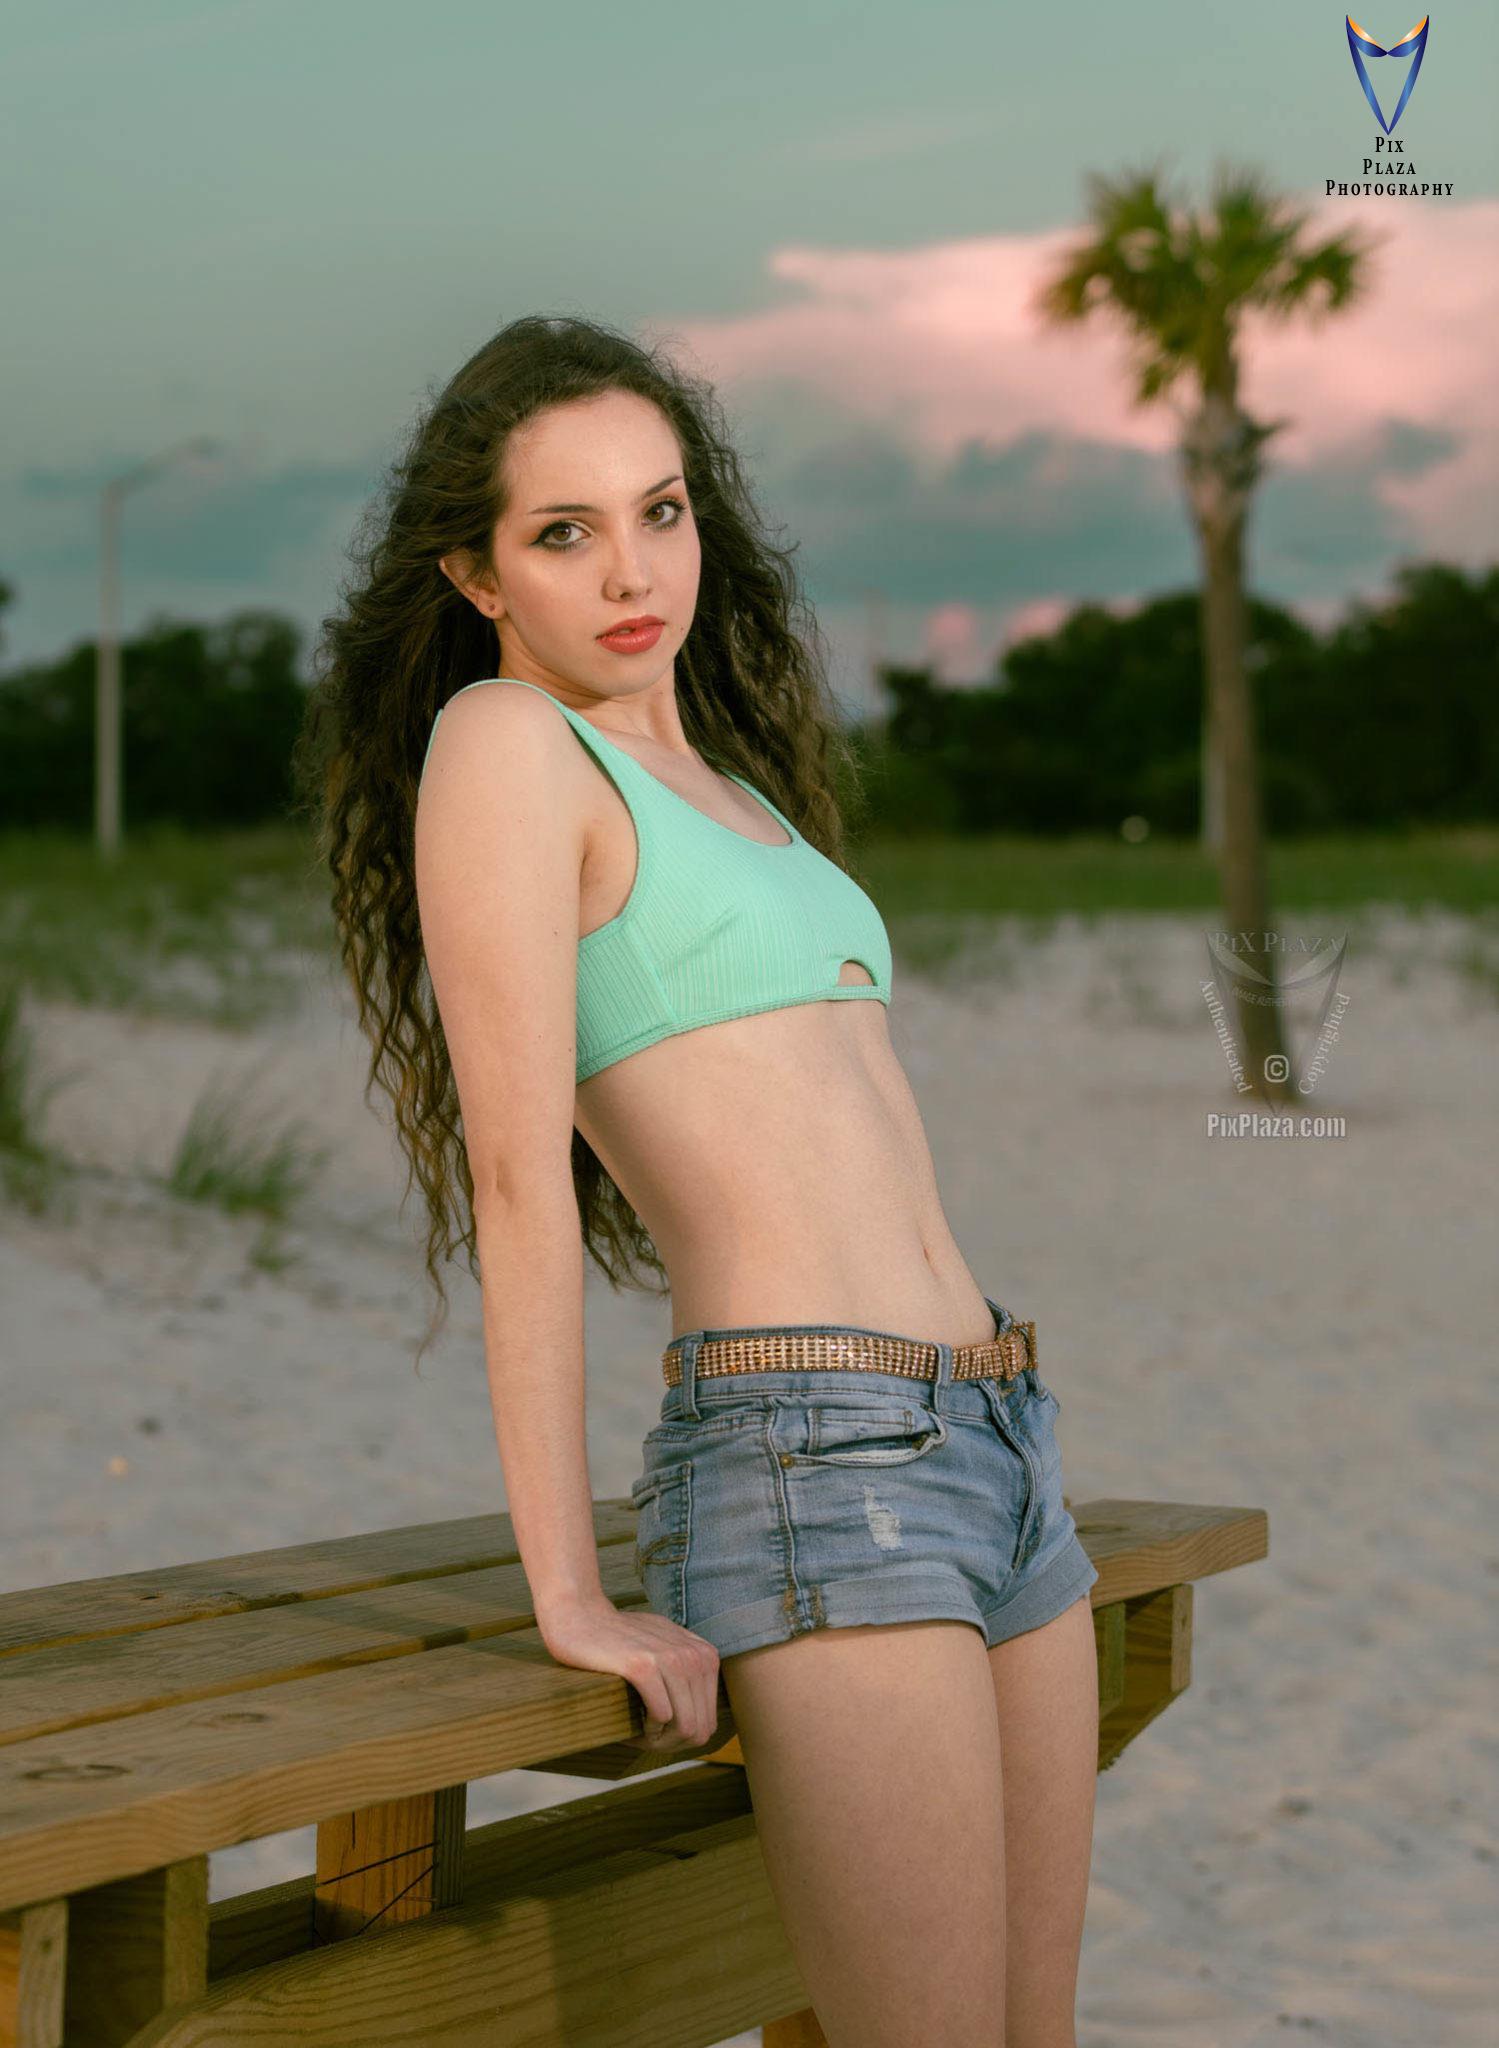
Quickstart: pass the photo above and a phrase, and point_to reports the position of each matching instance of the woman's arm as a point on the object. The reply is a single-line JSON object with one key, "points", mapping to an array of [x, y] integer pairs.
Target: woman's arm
{"points": [[500, 841], [499, 850]]}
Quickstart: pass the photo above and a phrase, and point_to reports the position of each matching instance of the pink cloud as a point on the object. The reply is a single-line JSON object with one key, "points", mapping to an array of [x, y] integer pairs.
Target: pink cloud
{"points": [[953, 634], [1036, 615], [939, 342]]}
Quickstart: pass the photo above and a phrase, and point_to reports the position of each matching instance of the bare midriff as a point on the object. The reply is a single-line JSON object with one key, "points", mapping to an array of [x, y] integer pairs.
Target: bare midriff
{"points": [[778, 1160]]}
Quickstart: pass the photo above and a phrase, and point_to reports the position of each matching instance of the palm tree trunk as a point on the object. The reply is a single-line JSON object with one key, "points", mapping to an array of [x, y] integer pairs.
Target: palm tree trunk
{"points": [[1229, 719], [1210, 780]]}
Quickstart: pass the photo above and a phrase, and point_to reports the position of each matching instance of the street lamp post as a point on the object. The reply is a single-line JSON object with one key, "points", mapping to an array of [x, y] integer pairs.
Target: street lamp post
{"points": [[107, 718]]}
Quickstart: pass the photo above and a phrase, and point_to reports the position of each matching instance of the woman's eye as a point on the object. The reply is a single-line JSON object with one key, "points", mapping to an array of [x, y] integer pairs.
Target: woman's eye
{"points": [[565, 547]]}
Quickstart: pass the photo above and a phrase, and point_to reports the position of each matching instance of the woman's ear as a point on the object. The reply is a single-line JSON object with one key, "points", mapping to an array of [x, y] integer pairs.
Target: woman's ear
{"points": [[459, 570]]}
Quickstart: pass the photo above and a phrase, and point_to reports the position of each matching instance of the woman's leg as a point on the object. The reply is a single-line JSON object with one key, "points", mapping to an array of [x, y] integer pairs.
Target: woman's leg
{"points": [[873, 1759], [1046, 1689]]}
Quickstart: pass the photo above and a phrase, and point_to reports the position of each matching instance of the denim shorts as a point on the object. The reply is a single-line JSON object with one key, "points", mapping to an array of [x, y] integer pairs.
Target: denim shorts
{"points": [[776, 1502]]}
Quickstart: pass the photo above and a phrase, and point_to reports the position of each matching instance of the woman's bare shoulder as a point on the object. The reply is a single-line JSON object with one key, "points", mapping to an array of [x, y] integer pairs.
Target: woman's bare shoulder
{"points": [[500, 842]]}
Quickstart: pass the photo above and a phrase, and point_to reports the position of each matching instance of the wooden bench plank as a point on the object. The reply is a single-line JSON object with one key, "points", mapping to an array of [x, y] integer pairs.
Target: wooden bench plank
{"points": [[1140, 1546], [127, 1601], [69, 1684], [72, 1684], [685, 1930], [276, 1921], [118, 1797], [130, 1601]]}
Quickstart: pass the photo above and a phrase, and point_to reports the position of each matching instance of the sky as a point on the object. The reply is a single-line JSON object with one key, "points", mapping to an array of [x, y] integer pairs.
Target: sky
{"points": [[283, 224]]}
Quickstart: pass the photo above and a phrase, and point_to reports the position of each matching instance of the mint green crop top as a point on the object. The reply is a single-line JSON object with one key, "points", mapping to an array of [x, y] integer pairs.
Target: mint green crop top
{"points": [[716, 925]]}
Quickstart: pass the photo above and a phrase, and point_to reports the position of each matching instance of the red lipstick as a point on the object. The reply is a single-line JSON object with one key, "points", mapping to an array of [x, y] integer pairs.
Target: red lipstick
{"points": [[633, 636]]}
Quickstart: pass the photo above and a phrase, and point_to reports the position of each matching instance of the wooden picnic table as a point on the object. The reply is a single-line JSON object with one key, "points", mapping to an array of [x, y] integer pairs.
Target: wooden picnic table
{"points": [[359, 1684]]}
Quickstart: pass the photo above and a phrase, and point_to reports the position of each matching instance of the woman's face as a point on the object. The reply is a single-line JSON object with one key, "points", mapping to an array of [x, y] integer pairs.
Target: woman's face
{"points": [[597, 531]]}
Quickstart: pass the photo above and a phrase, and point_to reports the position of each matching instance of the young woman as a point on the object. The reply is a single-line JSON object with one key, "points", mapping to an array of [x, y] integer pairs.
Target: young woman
{"points": [[653, 1027]]}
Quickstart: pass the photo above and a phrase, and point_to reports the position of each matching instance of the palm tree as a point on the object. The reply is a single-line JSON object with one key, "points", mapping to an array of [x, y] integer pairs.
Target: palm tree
{"points": [[1180, 282]]}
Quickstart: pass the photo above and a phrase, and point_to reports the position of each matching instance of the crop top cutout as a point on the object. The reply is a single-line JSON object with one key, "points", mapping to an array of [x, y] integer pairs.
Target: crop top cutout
{"points": [[716, 925]]}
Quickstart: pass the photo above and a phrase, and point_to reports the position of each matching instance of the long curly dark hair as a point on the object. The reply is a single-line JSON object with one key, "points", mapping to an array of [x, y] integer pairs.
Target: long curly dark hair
{"points": [[751, 684]]}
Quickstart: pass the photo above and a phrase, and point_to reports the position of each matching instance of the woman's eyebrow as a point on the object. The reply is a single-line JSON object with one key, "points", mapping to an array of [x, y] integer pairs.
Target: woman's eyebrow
{"points": [[594, 508]]}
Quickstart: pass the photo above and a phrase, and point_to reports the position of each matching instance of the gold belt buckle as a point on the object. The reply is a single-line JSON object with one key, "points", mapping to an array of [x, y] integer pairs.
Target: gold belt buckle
{"points": [[1024, 1336]]}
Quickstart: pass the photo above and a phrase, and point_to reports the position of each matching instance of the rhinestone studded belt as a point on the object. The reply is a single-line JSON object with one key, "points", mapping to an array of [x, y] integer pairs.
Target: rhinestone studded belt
{"points": [[789, 1351]]}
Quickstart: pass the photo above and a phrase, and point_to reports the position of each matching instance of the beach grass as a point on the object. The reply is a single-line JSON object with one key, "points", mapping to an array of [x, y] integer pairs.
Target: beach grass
{"points": [[231, 1155], [1454, 869], [221, 927], [215, 927], [31, 1171]]}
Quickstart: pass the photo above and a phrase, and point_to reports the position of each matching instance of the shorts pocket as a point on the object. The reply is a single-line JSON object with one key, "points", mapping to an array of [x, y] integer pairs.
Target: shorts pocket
{"points": [[663, 1535], [844, 1433], [714, 1418]]}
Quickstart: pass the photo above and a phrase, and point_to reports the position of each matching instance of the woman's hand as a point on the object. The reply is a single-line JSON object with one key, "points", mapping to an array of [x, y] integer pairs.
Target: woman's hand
{"points": [[674, 1671]]}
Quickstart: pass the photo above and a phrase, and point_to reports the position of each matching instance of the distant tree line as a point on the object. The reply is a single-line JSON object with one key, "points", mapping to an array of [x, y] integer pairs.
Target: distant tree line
{"points": [[209, 715], [1390, 718]]}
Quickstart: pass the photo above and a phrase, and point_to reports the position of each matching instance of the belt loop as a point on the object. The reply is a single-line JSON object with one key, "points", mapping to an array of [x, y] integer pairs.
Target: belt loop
{"points": [[688, 1389], [944, 1376], [1003, 1322]]}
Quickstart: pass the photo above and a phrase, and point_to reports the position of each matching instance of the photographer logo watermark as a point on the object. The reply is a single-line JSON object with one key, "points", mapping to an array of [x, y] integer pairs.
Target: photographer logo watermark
{"points": [[1388, 173], [1299, 977]]}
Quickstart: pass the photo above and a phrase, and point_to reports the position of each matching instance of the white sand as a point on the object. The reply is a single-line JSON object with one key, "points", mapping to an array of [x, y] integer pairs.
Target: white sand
{"points": [[1297, 1848]]}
